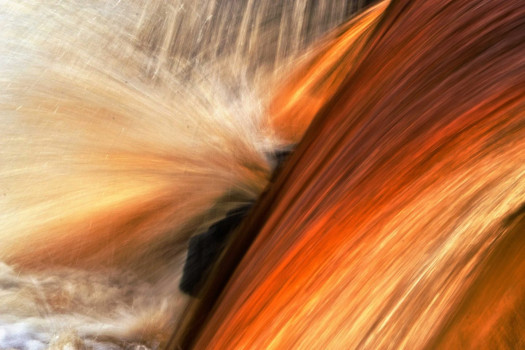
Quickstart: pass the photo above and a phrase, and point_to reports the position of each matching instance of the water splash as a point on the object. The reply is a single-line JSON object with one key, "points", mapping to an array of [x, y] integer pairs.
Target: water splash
{"points": [[128, 126]]}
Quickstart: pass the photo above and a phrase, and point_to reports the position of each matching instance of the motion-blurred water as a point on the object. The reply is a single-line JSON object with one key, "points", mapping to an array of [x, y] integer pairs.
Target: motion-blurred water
{"points": [[128, 126]]}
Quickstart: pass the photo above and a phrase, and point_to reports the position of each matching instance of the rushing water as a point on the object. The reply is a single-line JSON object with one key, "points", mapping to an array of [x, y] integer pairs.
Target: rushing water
{"points": [[398, 222], [128, 126]]}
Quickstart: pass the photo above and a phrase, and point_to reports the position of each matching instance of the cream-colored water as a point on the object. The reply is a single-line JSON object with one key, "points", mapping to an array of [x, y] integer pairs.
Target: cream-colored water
{"points": [[126, 127]]}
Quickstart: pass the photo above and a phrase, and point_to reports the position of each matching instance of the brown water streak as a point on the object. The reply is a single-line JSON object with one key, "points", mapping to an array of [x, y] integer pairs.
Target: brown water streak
{"points": [[383, 220]]}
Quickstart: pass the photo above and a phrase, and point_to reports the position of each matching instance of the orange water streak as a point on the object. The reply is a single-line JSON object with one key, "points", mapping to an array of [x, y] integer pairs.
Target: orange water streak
{"points": [[383, 229]]}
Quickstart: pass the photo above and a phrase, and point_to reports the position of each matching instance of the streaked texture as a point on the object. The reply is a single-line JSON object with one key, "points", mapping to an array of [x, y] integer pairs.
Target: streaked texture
{"points": [[127, 127], [398, 222]]}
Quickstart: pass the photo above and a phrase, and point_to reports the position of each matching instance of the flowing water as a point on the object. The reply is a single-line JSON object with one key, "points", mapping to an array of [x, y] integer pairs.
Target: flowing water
{"points": [[398, 222], [128, 126]]}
